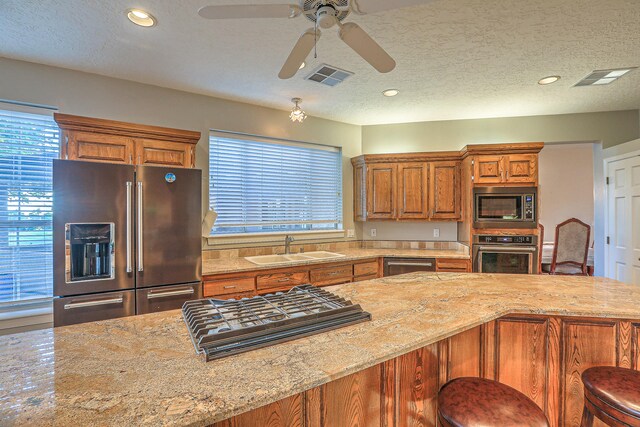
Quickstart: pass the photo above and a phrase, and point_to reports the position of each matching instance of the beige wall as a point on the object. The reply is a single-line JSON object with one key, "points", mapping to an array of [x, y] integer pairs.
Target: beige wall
{"points": [[74, 92], [611, 128], [566, 187]]}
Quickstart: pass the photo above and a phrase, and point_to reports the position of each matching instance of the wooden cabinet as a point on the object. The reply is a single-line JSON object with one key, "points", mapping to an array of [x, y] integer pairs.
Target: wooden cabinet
{"points": [[541, 356], [406, 190], [413, 191], [444, 191], [453, 265], [381, 191], [507, 169], [251, 283], [98, 140]]}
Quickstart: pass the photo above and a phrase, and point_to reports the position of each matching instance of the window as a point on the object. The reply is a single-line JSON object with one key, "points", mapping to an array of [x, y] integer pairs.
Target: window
{"points": [[28, 144], [264, 186]]}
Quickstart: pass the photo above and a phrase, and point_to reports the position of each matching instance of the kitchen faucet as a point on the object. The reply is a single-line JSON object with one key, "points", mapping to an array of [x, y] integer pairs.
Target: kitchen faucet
{"points": [[287, 244]]}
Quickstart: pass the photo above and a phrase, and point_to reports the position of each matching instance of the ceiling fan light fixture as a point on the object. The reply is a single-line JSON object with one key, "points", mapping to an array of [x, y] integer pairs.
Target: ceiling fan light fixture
{"points": [[141, 18], [297, 114], [548, 80], [390, 92]]}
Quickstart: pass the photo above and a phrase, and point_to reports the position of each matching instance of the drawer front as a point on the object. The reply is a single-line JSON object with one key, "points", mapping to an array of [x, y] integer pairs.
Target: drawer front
{"points": [[331, 275], [282, 280], [90, 308], [229, 286], [365, 269], [153, 300], [362, 278], [452, 265]]}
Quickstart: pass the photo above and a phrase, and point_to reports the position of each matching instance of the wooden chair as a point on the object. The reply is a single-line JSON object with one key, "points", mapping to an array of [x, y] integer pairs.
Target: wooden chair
{"points": [[571, 248], [611, 395]]}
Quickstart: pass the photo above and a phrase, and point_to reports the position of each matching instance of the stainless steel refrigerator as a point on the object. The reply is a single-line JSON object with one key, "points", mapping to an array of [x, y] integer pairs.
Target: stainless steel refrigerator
{"points": [[126, 240]]}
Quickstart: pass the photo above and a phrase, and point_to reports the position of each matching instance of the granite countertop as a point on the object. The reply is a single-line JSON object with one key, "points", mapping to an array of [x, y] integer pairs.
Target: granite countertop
{"points": [[239, 264], [144, 370]]}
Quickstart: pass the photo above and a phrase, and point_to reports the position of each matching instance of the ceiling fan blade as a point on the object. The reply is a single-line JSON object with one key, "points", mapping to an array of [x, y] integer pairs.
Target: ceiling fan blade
{"points": [[248, 11], [362, 7], [357, 39], [299, 53]]}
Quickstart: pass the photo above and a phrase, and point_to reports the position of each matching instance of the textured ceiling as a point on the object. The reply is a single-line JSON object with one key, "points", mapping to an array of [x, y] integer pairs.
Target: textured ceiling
{"points": [[457, 59]]}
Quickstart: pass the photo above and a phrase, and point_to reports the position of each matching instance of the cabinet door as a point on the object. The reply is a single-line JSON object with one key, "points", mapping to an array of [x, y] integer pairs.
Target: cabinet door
{"points": [[412, 190], [359, 193], [163, 153], [521, 168], [487, 170], [381, 191], [444, 191], [99, 147]]}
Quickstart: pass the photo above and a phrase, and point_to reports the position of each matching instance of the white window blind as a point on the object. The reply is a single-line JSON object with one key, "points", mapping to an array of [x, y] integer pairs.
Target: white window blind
{"points": [[28, 144], [260, 186]]}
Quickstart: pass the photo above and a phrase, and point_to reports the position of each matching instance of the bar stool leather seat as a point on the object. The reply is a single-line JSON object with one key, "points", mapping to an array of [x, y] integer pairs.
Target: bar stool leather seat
{"points": [[612, 395], [478, 402]]}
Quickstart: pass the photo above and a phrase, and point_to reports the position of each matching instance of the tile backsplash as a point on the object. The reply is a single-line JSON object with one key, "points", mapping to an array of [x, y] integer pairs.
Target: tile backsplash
{"points": [[332, 246]]}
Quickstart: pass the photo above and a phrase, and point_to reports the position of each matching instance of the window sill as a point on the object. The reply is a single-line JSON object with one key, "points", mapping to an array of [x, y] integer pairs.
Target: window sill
{"points": [[278, 237], [15, 318]]}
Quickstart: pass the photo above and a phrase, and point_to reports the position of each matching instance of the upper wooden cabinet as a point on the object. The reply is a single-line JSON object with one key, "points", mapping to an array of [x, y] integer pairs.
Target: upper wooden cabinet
{"points": [[507, 169], [444, 190], [406, 190], [413, 190], [98, 140]]}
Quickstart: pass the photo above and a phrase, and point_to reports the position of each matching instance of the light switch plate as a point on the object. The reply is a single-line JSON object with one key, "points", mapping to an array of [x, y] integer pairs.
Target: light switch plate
{"points": [[436, 232], [373, 232], [351, 232]]}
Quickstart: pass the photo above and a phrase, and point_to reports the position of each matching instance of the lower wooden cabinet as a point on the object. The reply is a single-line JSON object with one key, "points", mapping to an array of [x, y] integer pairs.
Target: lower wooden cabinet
{"points": [[453, 265], [541, 356], [282, 279]]}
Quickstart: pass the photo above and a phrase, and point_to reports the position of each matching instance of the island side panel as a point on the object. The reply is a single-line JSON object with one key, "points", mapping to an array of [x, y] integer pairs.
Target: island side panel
{"points": [[541, 356]]}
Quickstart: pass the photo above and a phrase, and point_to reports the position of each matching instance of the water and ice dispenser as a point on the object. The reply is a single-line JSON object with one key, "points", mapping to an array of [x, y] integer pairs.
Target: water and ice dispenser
{"points": [[90, 252]]}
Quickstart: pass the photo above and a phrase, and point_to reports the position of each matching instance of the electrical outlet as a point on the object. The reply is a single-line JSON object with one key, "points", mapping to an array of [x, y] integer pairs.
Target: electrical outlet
{"points": [[436, 232], [351, 232], [373, 232]]}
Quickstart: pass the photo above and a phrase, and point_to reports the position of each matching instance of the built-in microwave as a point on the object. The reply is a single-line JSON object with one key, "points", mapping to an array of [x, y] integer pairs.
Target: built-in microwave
{"points": [[504, 207]]}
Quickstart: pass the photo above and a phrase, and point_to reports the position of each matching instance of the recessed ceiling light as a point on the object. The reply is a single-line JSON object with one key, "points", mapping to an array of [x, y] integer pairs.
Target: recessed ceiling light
{"points": [[548, 80], [140, 17], [391, 92], [304, 64]]}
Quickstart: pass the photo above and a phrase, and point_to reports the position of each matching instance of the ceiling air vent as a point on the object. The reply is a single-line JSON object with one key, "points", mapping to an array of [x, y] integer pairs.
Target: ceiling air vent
{"points": [[604, 77], [329, 75]]}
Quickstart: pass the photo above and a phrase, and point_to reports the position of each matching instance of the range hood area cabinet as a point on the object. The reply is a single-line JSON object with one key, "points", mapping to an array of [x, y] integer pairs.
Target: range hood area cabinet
{"points": [[406, 188], [109, 141]]}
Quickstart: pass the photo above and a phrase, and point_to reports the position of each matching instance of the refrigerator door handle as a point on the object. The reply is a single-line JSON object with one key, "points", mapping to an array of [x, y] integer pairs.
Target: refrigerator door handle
{"points": [[140, 234], [128, 231]]}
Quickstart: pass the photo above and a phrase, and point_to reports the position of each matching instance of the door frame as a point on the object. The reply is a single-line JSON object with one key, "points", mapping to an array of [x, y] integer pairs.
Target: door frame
{"points": [[606, 162]]}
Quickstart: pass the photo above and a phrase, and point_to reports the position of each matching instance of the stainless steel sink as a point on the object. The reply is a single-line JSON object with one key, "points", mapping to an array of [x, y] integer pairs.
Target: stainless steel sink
{"points": [[284, 259]]}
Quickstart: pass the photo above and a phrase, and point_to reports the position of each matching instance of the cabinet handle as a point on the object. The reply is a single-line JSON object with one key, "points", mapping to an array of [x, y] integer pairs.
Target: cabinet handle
{"points": [[229, 287], [284, 280], [85, 304], [140, 233], [188, 291], [419, 264]]}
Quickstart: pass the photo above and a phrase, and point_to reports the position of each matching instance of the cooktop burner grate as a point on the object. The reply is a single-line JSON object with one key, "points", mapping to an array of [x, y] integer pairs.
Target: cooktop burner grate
{"points": [[220, 328]]}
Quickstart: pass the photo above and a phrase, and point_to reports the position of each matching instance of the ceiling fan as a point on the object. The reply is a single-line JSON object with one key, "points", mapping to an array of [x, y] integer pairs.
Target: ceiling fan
{"points": [[325, 14]]}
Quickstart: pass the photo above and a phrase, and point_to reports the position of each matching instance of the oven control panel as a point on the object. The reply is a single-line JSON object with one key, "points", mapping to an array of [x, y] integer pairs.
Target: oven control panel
{"points": [[523, 240], [528, 207]]}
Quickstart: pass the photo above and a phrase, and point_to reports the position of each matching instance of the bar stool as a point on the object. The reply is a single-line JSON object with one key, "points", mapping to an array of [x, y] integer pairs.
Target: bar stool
{"points": [[475, 402], [612, 395]]}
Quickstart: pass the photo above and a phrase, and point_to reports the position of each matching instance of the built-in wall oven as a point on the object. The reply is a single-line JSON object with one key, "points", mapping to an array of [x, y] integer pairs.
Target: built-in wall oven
{"points": [[504, 207], [505, 254]]}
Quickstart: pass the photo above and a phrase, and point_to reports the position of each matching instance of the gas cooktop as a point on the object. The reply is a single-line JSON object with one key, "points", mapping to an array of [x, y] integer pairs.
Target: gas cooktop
{"points": [[220, 328]]}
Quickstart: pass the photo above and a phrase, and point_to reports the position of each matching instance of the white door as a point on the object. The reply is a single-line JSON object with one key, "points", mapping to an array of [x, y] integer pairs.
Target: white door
{"points": [[623, 220]]}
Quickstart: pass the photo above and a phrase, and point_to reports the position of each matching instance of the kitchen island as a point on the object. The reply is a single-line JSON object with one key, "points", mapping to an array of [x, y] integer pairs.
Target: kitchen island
{"points": [[536, 333]]}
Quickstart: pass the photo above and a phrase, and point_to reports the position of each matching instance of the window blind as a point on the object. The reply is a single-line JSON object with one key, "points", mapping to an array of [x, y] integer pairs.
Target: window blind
{"points": [[28, 144], [260, 186]]}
